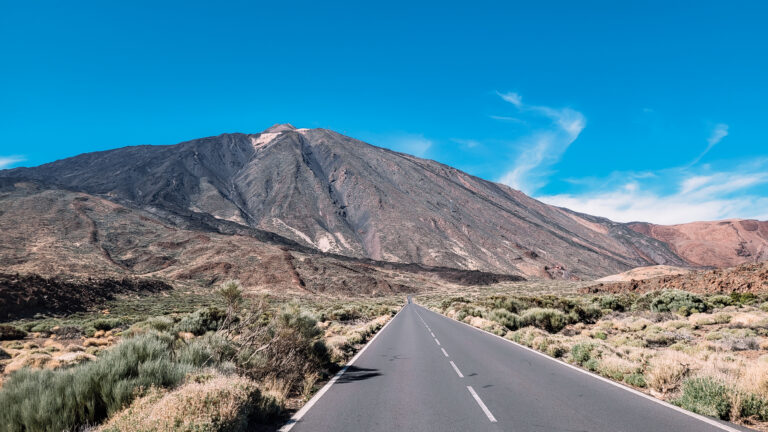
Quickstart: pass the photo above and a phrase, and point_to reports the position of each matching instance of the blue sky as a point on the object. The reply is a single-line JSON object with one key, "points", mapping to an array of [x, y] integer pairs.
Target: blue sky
{"points": [[646, 110]]}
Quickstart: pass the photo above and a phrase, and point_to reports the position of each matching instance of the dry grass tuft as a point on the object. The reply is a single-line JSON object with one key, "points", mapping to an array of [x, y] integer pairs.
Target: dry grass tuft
{"points": [[204, 403], [667, 370]]}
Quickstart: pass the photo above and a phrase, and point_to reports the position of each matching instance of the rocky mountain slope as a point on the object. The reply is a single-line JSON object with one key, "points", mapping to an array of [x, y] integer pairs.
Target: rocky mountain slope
{"points": [[335, 194], [54, 232], [724, 243], [752, 278]]}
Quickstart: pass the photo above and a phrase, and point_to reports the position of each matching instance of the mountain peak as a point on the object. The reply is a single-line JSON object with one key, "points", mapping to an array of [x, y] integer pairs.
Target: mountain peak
{"points": [[280, 127]]}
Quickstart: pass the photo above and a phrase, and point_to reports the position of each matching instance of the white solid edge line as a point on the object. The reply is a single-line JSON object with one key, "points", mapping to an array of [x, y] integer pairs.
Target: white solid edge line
{"points": [[307, 406], [446, 354], [456, 368], [707, 420], [482, 405]]}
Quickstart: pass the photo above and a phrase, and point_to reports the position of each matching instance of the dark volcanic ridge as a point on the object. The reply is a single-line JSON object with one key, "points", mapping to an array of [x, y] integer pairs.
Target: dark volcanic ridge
{"points": [[24, 296], [320, 191]]}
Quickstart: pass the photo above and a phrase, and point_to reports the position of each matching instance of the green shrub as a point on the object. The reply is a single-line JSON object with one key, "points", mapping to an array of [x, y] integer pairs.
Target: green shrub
{"points": [[509, 303], [555, 351], [582, 353], [681, 302], [600, 335], [8, 332], [753, 406], [743, 298], [719, 301], [67, 399], [588, 315], [44, 327], [635, 379], [705, 396], [551, 320], [445, 304], [343, 314], [614, 302], [505, 318], [591, 364], [106, 323], [764, 307], [160, 323], [201, 321]]}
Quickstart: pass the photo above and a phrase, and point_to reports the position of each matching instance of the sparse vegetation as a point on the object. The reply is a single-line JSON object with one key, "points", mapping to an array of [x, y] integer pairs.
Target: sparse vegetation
{"points": [[701, 352], [248, 356]]}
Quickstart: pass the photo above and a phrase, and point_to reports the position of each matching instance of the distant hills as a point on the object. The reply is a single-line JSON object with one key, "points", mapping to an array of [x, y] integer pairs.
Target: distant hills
{"points": [[239, 204]]}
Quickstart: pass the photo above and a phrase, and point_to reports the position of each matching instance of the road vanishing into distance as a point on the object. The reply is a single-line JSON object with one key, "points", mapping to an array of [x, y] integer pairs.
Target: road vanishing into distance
{"points": [[426, 372]]}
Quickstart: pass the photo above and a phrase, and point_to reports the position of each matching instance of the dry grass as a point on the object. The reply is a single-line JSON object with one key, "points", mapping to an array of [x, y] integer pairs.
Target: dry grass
{"points": [[667, 370], [702, 361], [207, 402]]}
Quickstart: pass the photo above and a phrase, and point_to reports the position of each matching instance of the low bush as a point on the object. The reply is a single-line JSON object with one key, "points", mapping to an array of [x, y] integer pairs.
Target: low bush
{"points": [[706, 396], [8, 332], [581, 353], [205, 403], [618, 303], [201, 321], [635, 379], [505, 318], [510, 304], [719, 301], [743, 298], [106, 323], [681, 302], [160, 323], [551, 320], [66, 399], [752, 406]]}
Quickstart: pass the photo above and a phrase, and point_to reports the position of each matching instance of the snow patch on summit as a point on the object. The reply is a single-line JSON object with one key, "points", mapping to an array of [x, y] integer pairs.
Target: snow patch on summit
{"points": [[263, 139]]}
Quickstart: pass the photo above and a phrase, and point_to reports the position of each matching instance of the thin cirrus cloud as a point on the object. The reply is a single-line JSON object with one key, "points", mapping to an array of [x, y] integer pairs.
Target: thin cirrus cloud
{"points": [[9, 161], [694, 197], [414, 144], [542, 148], [719, 132], [697, 193]]}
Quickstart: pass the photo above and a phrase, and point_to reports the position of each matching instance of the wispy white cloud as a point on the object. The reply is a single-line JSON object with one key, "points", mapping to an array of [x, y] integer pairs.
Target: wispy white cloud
{"points": [[414, 144], [470, 143], [696, 197], [509, 119], [542, 148], [719, 132], [8, 161]]}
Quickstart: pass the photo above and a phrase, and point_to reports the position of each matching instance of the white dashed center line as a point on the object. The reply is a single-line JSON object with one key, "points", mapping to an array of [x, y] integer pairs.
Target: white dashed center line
{"points": [[437, 341], [482, 405], [456, 368], [443, 349]]}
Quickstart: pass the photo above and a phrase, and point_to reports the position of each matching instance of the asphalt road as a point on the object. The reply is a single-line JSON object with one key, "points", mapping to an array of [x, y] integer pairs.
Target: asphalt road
{"points": [[425, 372]]}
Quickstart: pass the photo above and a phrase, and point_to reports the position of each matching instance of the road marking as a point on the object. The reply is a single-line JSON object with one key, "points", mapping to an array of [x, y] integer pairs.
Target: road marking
{"points": [[707, 420], [438, 342], [482, 405], [300, 413], [446, 354], [456, 368], [433, 335]]}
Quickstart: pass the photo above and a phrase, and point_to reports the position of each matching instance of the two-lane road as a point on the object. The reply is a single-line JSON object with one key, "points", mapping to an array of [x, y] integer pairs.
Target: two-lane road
{"points": [[425, 372]]}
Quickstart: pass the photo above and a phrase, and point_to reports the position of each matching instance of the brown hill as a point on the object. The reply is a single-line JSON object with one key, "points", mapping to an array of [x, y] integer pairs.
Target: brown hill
{"points": [[326, 192], [751, 277], [644, 273], [724, 243], [54, 232]]}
